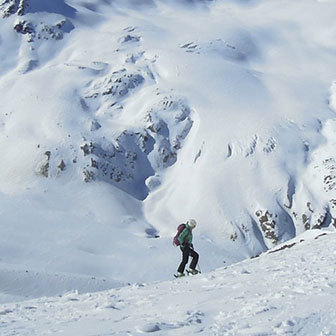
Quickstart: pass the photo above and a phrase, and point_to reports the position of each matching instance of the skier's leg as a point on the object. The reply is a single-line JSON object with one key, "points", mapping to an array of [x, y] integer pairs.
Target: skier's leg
{"points": [[194, 261], [185, 257]]}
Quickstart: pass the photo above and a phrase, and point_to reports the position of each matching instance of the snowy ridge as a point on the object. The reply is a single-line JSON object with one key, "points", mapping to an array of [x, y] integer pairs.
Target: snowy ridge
{"points": [[287, 292]]}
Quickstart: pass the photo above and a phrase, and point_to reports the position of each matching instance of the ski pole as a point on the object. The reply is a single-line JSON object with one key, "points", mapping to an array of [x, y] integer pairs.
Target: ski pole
{"points": [[199, 268]]}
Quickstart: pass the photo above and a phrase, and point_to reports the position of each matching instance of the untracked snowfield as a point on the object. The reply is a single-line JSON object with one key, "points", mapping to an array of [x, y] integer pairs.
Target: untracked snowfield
{"points": [[289, 292]]}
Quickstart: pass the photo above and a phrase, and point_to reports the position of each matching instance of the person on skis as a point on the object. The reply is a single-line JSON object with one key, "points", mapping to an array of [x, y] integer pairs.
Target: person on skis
{"points": [[187, 248]]}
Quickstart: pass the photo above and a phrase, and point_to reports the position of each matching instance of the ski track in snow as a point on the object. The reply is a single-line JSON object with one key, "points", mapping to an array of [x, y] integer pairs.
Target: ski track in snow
{"points": [[290, 292]]}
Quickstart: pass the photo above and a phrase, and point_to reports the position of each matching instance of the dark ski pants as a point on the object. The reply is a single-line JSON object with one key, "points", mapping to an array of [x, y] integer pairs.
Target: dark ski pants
{"points": [[186, 252]]}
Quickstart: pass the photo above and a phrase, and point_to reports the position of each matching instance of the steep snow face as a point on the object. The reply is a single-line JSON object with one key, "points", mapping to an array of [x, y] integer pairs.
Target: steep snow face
{"points": [[260, 110], [120, 119]]}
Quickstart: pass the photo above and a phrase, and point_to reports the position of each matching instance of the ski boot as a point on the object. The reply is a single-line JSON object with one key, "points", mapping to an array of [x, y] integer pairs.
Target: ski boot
{"points": [[192, 271], [179, 275]]}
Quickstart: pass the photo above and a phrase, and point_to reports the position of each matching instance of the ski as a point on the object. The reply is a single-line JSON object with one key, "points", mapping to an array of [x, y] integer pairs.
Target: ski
{"points": [[178, 276], [187, 273]]}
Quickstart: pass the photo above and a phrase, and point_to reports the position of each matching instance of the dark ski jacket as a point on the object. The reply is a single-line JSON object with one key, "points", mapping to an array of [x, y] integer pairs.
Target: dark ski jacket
{"points": [[185, 238]]}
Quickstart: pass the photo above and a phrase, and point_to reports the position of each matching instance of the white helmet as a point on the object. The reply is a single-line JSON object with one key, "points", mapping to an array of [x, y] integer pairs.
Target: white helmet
{"points": [[191, 223]]}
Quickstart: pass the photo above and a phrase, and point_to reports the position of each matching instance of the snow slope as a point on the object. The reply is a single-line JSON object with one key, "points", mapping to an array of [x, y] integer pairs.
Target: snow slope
{"points": [[288, 292], [18, 285], [121, 119]]}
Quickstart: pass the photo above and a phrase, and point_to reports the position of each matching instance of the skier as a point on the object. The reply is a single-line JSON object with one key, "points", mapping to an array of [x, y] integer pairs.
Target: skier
{"points": [[187, 248]]}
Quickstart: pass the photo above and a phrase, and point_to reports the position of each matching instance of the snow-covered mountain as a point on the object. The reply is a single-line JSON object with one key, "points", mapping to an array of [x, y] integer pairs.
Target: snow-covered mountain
{"points": [[121, 119]]}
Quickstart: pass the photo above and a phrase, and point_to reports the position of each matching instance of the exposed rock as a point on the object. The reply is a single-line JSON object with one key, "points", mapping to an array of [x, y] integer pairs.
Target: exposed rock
{"points": [[146, 142], [332, 208], [169, 123], [88, 175], [129, 38], [42, 30], [321, 235], [129, 159], [270, 145], [305, 221], [283, 247], [94, 163], [44, 169], [123, 163], [330, 179], [268, 225], [10, 7], [320, 221], [61, 166], [114, 87], [133, 58], [121, 86], [312, 219], [166, 155], [198, 155], [252, 147], [234, 236], [24, 27], [87, 148]]}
